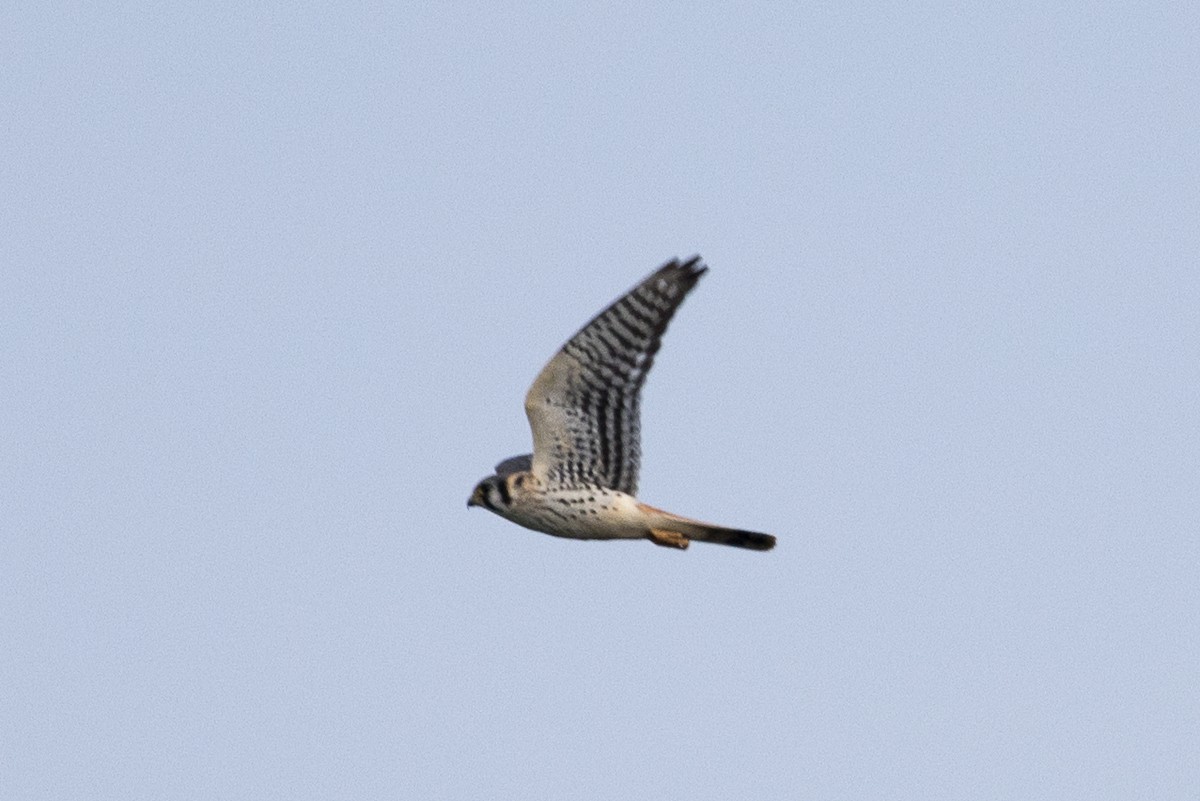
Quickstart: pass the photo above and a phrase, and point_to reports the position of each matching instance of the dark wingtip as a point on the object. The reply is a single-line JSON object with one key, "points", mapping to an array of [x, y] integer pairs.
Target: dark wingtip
{"points": [[695, 266]]}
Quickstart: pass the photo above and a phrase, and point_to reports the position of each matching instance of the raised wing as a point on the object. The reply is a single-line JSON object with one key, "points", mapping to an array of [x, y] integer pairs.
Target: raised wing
{"points": [[584, 407], [515, 464]]}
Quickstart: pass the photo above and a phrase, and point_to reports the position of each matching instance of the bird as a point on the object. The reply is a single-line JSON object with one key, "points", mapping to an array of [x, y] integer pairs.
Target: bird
{"points": [[581, 480]]}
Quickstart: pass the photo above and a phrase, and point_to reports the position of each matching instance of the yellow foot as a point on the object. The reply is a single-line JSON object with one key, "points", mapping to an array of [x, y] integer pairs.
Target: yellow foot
{"points": [[668, 539]]}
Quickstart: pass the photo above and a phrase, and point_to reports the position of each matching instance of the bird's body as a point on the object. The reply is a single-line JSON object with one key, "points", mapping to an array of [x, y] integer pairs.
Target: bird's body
{"points": [[580, 482], [580, 514]]}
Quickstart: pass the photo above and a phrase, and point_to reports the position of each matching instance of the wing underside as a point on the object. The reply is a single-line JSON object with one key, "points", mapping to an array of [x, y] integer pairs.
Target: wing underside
{"points": [[584, 407]]}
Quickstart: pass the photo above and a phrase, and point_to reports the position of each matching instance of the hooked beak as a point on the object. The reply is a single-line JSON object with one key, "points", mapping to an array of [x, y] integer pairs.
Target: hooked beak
{"points": [[476, 498]]}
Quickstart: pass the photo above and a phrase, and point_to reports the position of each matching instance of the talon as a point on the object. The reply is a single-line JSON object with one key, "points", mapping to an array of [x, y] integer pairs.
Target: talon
{"points": [[668, 539]]}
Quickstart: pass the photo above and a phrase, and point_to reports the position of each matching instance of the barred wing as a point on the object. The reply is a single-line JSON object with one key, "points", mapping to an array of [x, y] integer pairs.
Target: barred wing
{"points": [[584, 407]]}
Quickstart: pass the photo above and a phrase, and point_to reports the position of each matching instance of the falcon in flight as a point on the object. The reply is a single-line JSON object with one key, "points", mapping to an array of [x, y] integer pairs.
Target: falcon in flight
{"points": [[581, 480]]}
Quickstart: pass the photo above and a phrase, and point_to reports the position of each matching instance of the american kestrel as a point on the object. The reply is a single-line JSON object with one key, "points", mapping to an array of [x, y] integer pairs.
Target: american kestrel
{"points": [[581, 480]]}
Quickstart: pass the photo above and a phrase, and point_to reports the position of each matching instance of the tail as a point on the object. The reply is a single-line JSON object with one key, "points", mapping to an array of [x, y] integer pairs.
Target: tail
{"points": [[673, 531]]}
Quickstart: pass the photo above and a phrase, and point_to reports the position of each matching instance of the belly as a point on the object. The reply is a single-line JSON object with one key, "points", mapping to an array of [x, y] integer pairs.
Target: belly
{"points": [[583, 515]]}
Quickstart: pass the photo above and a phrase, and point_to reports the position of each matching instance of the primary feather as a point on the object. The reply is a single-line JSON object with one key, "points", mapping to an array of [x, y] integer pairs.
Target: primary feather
{"points": [[584, 407]]}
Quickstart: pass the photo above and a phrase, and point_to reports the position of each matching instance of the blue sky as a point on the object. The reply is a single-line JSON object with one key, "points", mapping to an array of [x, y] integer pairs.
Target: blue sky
{"points": [[275, 282]]}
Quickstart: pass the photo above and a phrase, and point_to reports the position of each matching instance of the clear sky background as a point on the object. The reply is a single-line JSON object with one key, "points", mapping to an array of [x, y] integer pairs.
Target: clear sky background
{"points": [[274, 281]]}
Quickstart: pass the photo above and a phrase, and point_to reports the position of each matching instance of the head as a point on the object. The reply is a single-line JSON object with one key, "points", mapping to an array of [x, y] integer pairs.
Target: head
{"points": [[492, 493]]}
